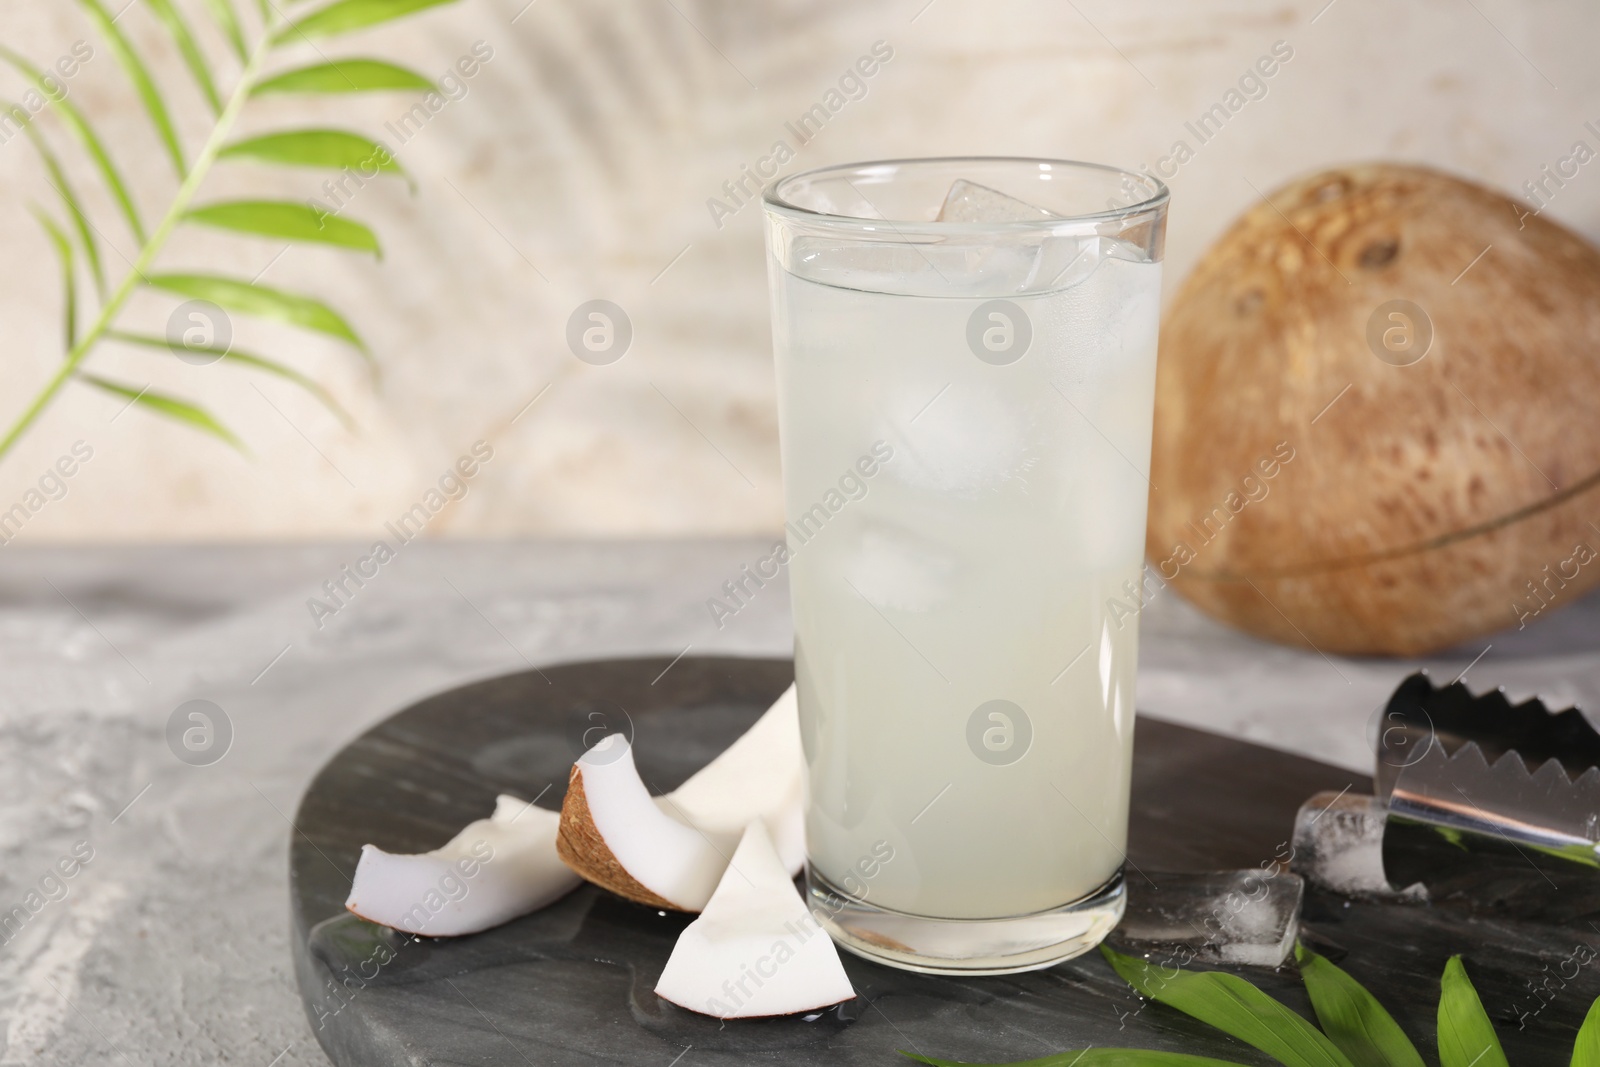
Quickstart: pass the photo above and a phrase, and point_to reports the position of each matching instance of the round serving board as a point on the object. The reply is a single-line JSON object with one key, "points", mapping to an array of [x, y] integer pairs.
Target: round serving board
{"points": [[572, 984]]}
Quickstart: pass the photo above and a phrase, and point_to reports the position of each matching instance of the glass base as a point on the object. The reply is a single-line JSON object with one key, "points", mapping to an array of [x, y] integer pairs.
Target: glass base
{"points": [[965, 946]]}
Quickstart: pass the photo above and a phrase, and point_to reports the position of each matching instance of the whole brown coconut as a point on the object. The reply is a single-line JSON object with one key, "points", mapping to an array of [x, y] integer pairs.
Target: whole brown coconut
{"points": [[1325, 473]]}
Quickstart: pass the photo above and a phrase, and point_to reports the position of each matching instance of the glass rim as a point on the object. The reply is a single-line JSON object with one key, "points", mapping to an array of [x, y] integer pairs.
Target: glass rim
{"points": [[772, 197]]}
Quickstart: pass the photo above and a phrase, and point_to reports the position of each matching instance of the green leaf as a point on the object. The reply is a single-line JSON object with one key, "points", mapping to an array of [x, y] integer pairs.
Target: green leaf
{"points": [[344, 76], [1586, 1050], [250, 299], [1092, 1057], [1466, 1036], [333, 149], [170, 407], [1579, 852], [69, 279], [346, 15], [290, 221], [193, 58], [244, 359], [85, 134], [1352, 1017], [1235, 1007], [139, 74], [227, 18], [80, 220]]}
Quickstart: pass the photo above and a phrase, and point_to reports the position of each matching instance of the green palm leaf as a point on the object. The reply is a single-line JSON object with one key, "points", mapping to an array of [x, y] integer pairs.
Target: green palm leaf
{"points": [[1586, 1050], [85, 134], [169, 406], [356, 156], [1235, 1007], [344, 76], [258, 300], [333, 149], [1352, 1017], [346, 15], [139, 74], [290, 221], [69, 278], [80, 220], [193, 58], [245, 359], [1466, 1036], [1092, 1057], [226, 17]]}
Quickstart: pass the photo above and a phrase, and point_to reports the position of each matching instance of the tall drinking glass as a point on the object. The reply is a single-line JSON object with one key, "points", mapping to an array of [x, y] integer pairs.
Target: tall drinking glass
{"points": [[966, 354]]}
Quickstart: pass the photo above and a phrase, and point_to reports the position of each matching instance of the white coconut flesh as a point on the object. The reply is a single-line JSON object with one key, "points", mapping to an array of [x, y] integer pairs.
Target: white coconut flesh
{"points": [[754, 950], [672, 850], [491, 872], [761, 775]]}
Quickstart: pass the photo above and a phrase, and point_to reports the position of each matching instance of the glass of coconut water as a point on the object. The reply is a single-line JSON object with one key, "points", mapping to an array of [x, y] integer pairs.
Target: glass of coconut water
{"points": [[966, 353]]}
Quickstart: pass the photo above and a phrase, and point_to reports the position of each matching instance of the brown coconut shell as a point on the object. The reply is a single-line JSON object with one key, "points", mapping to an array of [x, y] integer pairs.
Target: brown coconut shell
{"points": [[1425, 504], [581, 847]]}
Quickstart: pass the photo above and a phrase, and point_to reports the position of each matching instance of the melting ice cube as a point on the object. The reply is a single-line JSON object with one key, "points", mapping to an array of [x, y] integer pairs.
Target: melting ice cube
{"points": [[1058, 261], [1243, 917], [968, 442], [899, 570], [970, 202], [1338, 844]]}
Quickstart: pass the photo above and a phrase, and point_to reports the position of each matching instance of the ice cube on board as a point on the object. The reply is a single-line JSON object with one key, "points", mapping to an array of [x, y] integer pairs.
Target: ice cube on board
{"points": [[1338, 845], [1245, 917]]}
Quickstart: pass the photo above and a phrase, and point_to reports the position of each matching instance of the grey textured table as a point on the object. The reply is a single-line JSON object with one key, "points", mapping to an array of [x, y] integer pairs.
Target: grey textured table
{"points": [[170, 944]]}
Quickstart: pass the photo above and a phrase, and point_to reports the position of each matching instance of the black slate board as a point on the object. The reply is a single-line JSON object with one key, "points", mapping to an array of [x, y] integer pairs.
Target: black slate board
{"points": [[572, 984]]}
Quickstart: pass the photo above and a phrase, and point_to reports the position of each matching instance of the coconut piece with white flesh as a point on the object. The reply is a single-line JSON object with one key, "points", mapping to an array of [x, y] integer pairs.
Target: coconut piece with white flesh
{"points": [[670, 851], [755, 950], [493, 871], [762, 773]]}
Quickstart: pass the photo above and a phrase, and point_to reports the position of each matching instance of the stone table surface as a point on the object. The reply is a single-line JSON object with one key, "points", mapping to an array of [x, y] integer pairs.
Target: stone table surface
{"points": [[170, 944]]}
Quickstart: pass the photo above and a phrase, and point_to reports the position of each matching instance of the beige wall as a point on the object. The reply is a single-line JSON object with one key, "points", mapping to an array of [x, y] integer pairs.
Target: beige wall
{"points": [[579, 165]]}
